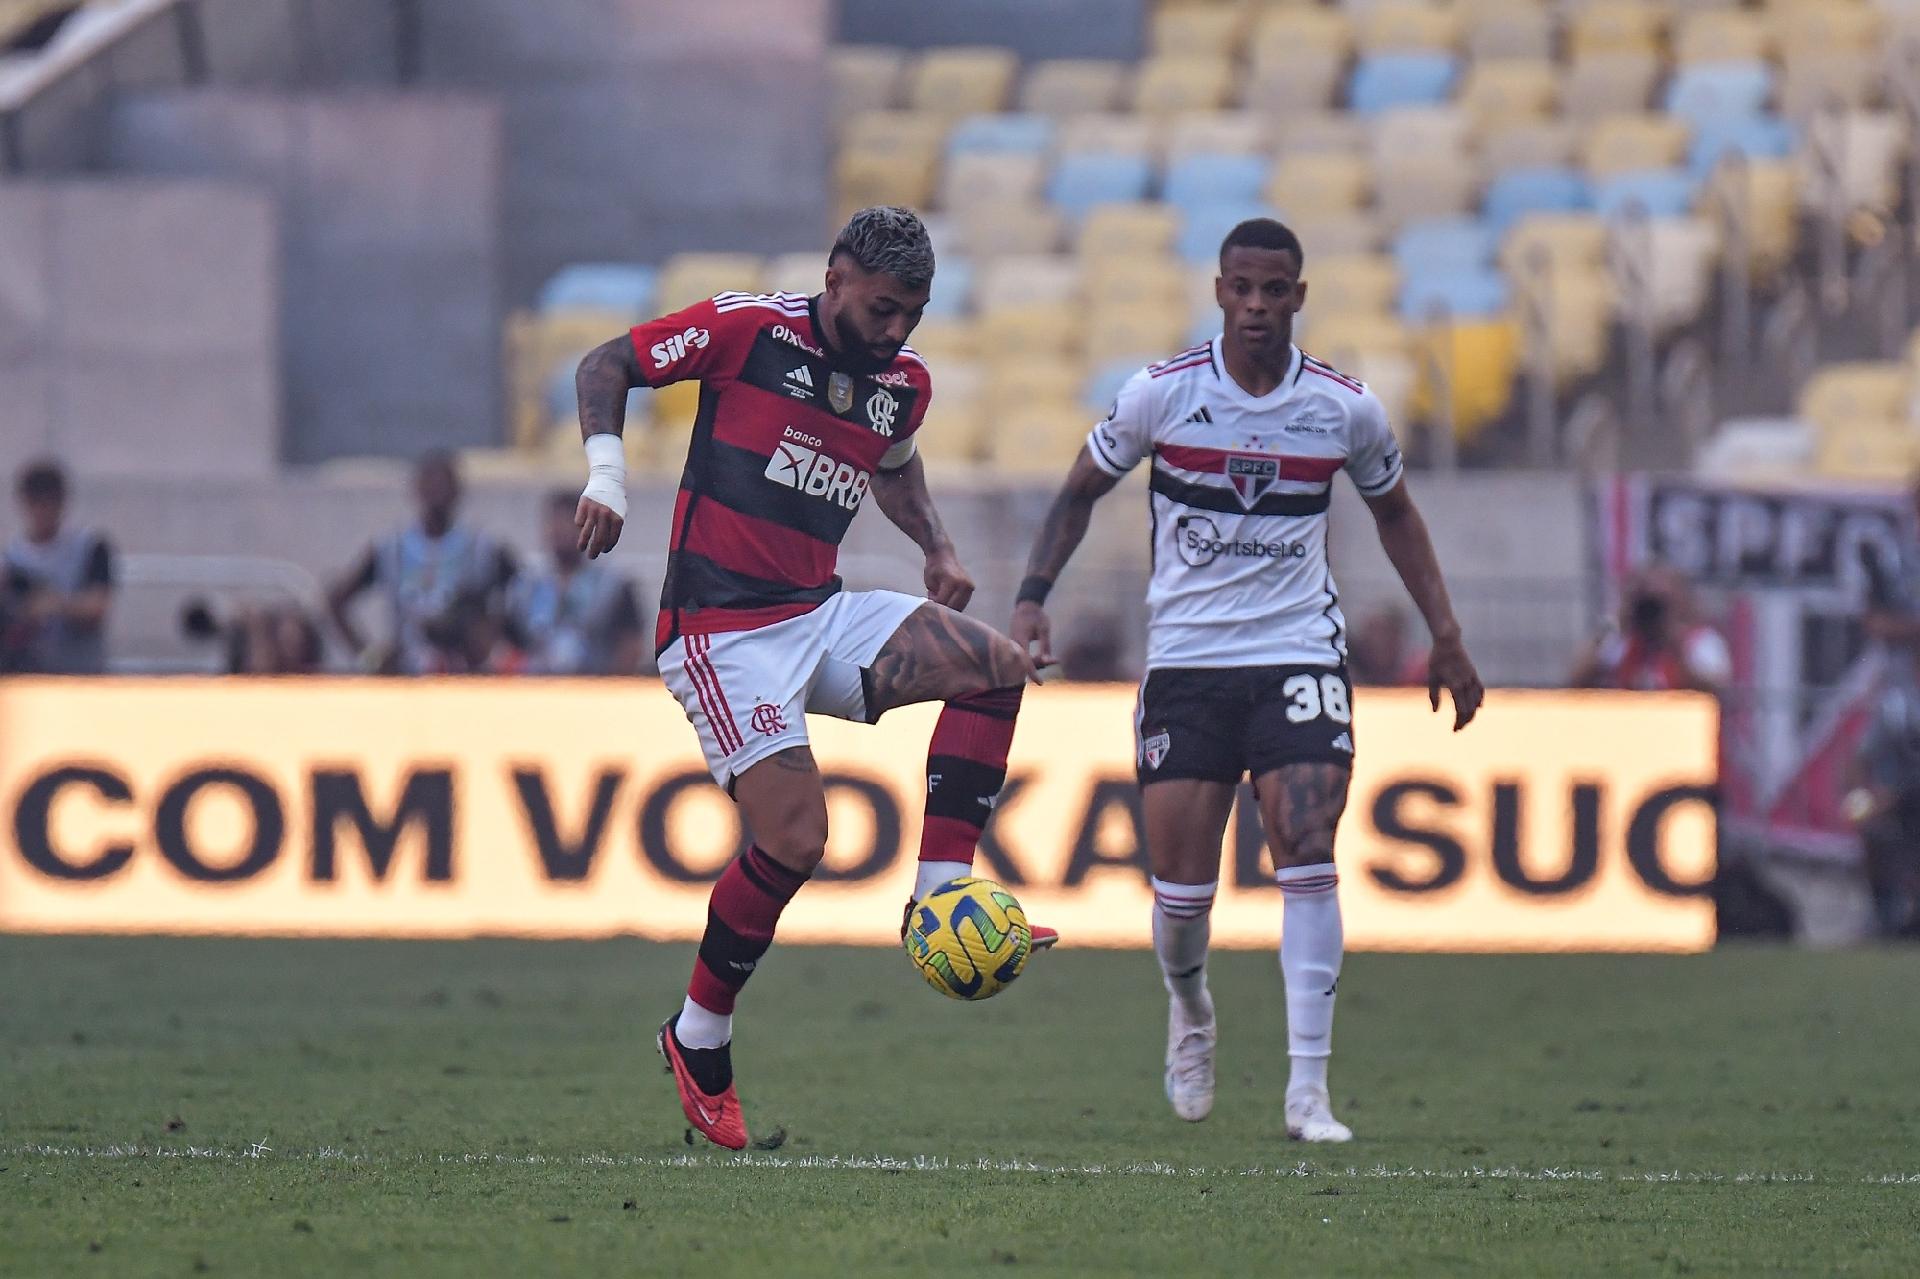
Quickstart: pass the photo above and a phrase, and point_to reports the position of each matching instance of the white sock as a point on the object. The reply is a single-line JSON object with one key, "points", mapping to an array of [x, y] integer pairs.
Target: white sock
{"points": [[1311, 943], [1182, 923], [702, 1027], [933, 874]]}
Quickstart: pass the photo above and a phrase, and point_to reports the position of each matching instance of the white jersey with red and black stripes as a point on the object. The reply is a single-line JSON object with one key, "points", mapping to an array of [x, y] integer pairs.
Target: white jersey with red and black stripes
{"points": [[1238, 492]]}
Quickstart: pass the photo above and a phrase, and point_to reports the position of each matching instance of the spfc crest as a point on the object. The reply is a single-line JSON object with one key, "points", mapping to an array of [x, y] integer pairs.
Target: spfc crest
{"points": [[1251, 476], [840, 392], [1153, 750]]}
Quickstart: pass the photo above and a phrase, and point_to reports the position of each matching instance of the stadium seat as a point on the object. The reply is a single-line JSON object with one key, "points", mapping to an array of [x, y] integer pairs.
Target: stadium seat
{"points": [[1631, 142], [961, 81], [1082, 180], [806, 272], [1337, 231], [1860, 391], [1026, 134], [1154, 283], [1217, 133], [1710, 92], [1196, 180], [1578, 313], [1509, 29], [1721, 35], [1316, 182], [889, 157], [1445, 295], [1528, 144], [1135, 230], [1137, 333], [1073, 86], [1506, 89], [1302, 79], [1472, 364], [687, 278], [617, 288], [1416, 133], [1756, 450], [1660, 193], [1320, 132], [1203, 228], [952, 292], [1164, 86], [1604, 84], [1383, 81], [863, 78], [954, 434], [1881, 453], [1335, 336], [940, 339], [1281, 32], [1756, 138], [974, 177], [1445, 244], [674, 408], [1103, 384], [1196, 30], [1112, 133], [1355, 283], [1767, 194], [1672, 258], [1518, 192], [1615, 26], [1044, 331], [1421, 188], [1408, 26], [1024, 279], [991, 229], [1855, 158], [1038, 437], [1025, 378], [1819, 80], [1553, 243], [1830, 28]]}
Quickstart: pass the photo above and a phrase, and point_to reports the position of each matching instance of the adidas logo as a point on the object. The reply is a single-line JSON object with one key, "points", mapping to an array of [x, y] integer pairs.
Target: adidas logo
{"points": [[1202, 414], [1344, 742], [800, 383], [803, 375]]}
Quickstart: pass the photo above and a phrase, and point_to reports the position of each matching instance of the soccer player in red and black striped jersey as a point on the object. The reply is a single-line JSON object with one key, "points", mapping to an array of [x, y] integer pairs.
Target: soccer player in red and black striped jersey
{"points": [[807, 406]]}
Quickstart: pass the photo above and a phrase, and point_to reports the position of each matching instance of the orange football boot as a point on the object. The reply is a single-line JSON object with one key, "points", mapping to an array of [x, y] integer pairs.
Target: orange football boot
{"points": [[716, 1115]]}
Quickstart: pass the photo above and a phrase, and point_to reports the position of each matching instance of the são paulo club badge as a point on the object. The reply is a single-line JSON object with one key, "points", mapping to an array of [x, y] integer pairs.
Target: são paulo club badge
{"points": [[1252, 475]]}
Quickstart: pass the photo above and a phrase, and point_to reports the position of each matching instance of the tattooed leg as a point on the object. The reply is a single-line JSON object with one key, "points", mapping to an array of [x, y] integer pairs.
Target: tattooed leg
{"points": [[784, 805], [938, 655], [1302, 804]]}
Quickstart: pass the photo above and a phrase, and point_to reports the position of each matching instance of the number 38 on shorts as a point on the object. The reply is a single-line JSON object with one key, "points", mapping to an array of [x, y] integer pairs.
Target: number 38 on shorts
{"points": [[1221, 724]]}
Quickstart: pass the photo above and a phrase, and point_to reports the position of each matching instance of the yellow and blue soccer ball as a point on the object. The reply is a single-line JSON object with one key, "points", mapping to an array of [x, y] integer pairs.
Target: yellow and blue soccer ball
{"points": [[969, 938]]}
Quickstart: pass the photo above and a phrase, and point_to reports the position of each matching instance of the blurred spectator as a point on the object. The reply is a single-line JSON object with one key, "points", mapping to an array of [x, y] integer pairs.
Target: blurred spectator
{"points": [[422, 570], [1379, 652], [1884, 803], [59, 583], [579, 616], [472, 638], [1093, 654], [274, 639], [1657, 644]]}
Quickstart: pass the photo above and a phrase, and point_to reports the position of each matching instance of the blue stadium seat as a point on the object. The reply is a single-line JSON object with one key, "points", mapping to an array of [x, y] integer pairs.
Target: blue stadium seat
{"points": [[1383, 81], [1457, 292], [952, 293], [1204, 226], [1196, 180], [1445, 244], [622, 288], [1709, 91], [1022, 134], [1660, 193], [1518, 192], [1083, 179], [1104, 383], [1756, 137]]}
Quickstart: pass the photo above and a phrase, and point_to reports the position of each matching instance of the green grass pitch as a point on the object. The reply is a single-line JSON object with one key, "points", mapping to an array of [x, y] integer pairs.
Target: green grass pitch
{"points": [[174, 1107]]}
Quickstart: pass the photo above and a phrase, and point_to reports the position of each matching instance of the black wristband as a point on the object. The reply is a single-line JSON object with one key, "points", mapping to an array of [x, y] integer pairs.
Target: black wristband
{"points": [[1033, 590]]}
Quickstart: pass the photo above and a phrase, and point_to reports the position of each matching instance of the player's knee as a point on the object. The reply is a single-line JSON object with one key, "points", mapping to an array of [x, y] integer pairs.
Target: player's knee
{"points": [[1005, 669], [1307, 846], [798, 844]]}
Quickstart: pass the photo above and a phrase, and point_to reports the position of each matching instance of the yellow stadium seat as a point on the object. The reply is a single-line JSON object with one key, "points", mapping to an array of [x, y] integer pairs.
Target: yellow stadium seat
{"points": [[1319, 182], [1603, 84], [1151, 283], [1615, 26], [1821, 80], [1023, 279], [1341, 231], [797, 273], [1499, 91], [1469, 365], [1019, 379], [1336, 336], [993, 230], [1509, 29], [959, 81], [973, 177], [888, 157], [1141, 333], [1144, 230], [674, 407], [1766, 195], [686, 278], [1831, 26], [1558, 243], [1039, 438], [1576, 309], [1322, 131], [1721, 35], [1408, 26], [863, 78], [1295, 80], [1417, 188], [1528, 144], [1165, 86], [1218, 133], [1197, 30], [1355, 284], [1042, 331], [1110, 132], [1883, 452], [1418, 133], [1633, 140], [1856, 391], [536, 345], [1073, 86], [1278, 34], [954, 431], [943, 340]]}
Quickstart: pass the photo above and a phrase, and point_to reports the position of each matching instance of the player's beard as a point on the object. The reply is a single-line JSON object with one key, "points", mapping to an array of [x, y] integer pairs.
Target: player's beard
{"points": [[854, 354]]}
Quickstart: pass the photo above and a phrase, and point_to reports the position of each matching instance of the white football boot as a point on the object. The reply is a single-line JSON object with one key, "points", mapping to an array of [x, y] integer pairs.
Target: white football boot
{"points": [[1310, 1117], [1190, 1061]]}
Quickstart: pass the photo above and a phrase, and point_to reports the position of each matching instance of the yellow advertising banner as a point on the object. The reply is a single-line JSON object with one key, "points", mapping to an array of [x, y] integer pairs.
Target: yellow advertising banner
{"points": [[453, 808]]}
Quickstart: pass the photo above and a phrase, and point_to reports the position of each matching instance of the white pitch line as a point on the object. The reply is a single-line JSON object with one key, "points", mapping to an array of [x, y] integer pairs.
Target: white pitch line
{"points": [[941, 1163]]}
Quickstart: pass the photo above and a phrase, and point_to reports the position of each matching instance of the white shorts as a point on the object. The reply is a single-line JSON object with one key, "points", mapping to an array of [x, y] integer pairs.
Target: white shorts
{"points": [[748, 692]]}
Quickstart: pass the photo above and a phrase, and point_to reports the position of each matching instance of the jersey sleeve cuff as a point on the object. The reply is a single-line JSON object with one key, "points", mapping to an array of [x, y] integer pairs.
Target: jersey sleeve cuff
{"points": [[1098, 452], [1386, 485]]}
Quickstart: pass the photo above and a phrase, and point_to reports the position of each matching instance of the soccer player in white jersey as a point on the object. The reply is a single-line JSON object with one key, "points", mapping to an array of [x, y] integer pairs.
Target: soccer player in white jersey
{"points": [[1246, 661]]}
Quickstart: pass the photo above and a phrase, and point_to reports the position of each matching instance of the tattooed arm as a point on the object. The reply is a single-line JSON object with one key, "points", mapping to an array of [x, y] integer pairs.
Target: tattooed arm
{"points": [[1403, 535], [1060, 534], [602, 381], [902, 497]]}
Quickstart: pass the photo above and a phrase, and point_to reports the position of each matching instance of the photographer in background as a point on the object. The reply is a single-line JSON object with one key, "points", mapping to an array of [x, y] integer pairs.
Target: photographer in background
{"points": [[1883, 801], [58, 584], [1658, 644]]}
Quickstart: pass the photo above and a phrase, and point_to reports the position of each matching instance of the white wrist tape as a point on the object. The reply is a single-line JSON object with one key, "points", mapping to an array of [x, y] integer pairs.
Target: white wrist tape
{"points": [[607, 473]]}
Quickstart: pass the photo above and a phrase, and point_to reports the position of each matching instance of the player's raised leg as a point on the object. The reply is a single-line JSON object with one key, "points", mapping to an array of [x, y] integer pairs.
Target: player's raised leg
{"points": [[785, 809], [980, 674], [1301, 805], [1185, 821]]}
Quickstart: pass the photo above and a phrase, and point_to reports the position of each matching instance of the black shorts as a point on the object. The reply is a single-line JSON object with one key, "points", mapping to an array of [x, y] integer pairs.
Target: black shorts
{"points": [[1217, 724]]}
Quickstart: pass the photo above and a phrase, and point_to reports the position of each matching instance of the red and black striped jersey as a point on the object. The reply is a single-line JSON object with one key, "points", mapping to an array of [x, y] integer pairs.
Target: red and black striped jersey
{"points": [[784, 447]]}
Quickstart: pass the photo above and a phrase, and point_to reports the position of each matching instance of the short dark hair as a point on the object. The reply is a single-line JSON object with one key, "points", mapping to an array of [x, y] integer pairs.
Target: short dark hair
{"points": [[1263, 233], [889, 240], [42, 480]]}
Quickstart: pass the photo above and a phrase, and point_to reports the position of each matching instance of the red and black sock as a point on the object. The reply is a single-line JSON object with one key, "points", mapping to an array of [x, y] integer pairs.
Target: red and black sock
{"points": [[741, 915], [966, 767]]}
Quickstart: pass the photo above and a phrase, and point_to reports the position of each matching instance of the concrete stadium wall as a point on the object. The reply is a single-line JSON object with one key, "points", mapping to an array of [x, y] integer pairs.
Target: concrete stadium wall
{"points": [[139, 328], [391, 241], [1052, 29]]}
